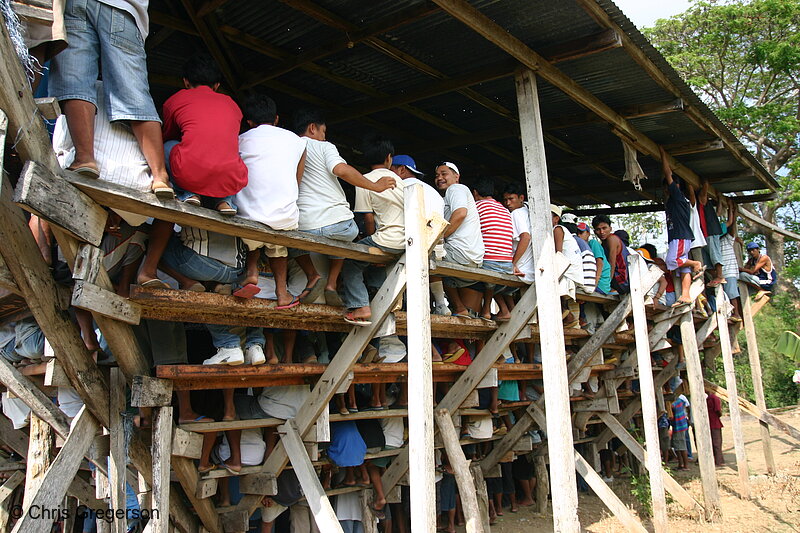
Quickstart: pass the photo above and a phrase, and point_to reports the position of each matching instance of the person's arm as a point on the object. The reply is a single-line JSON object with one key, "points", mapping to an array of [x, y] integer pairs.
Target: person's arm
{"points": [[522, 246], [703, 199], [731, 221], [614, 248], [301, 167], [369, 223], [690, 194], [599, 262], [662, 287], [558, 238], [762, 261], [457, 217], [355, 178], [665, 168]]}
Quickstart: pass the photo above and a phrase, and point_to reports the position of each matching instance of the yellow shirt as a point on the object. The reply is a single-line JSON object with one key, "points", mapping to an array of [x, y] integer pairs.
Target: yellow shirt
{"points": [[388, 207]]}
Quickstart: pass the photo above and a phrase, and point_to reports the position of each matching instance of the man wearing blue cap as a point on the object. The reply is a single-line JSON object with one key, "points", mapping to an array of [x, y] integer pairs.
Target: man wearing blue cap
{"points": [[758, 272], [405, 167]]}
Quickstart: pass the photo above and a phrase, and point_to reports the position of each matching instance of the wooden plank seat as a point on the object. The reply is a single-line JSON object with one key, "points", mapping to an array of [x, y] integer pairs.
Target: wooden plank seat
{"points": [[206, 377]]}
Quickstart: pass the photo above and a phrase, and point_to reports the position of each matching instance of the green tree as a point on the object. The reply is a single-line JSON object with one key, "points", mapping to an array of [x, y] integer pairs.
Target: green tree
{"points": [[743, 58]]}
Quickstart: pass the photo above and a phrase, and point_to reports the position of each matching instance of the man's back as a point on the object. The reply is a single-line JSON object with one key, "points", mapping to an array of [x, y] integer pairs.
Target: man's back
{"points": [[496, 229], [321, 199], [467, 238], [388, 207], [206, 161], [272, 155]]}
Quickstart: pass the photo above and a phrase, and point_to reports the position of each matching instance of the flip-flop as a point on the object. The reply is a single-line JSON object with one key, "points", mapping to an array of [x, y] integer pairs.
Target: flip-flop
{"points": [[698, 273], [206, 470], [356, 321], [310, 294], [247, 291], [86, 172], [461, 315], [196, 420], [449, 358], [193, 200], [155, 283], [225, 211], [488, 320], [680, 303], [164, 192], [231, 470], [294, 303], [333, 298], [379, 513]]}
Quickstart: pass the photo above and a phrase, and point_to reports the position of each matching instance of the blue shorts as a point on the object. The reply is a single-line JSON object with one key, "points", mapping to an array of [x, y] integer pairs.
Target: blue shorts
{"points": [[731, 288], [104, 38]]}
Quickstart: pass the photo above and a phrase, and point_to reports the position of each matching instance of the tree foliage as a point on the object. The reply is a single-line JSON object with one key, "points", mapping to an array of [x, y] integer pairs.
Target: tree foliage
{"points": [[743, 58]]}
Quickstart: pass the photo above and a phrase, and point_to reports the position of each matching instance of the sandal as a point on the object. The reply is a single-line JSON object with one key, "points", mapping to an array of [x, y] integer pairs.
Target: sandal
{"points": [[450, 357], [680, 303], [247, 291], [310, 294], [698, 273], [85, 171], [193, 200], [164, 192], [224, 208], [294, 303], [350, 319], [207, 469], [155, 283]]}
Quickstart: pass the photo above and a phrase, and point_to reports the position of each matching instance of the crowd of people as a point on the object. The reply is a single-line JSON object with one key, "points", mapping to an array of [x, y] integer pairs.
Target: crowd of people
{"points": [[237, 158]]}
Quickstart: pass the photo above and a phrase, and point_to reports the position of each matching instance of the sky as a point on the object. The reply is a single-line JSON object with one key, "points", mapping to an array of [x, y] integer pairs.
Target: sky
{"points": [[645, 12]]}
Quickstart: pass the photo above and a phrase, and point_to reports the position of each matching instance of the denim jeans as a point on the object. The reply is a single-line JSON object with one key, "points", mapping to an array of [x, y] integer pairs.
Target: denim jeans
{"points": [[182, 194], [225, 337], [354, 290], [28, 342], [345, 231], [104, 38], [196, 266]]}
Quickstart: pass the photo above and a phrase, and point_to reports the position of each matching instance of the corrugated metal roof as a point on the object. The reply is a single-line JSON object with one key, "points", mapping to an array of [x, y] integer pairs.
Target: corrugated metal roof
{"points": [[389, 64]]}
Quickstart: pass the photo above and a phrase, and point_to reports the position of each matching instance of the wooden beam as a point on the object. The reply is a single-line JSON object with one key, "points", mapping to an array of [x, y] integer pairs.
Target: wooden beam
{"points": [[649, 414], [422, 472], [702, 433], [40, 456], [694, 147], [6, 279], [562, 462], [753, 198], [92, 298], [162, 450], [755, 370], [461, 470], [212, 44], [33, 13], [621, 210], [752, 217], [629, 112], [318, 502], [58, 476], [582, 46], [56, 201], [150, 392], [117, 459], [733, 394]]}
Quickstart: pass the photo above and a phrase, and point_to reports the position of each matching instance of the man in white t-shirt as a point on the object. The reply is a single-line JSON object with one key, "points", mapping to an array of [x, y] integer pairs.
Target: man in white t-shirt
{"points": [[385, 222], [324, 209], [463, 242], [275, 160], [405, 167], [514, 200]]}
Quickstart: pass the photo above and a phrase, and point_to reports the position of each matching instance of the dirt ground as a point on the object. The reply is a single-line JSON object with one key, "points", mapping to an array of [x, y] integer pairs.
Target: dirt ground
{"points": [[775, 506]]}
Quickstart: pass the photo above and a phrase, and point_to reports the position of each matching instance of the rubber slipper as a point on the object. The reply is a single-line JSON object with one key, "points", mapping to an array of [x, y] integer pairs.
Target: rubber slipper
{"points": [[310, 294], [164, 192], [207, 469], [449, 358], [372, 408], [294, 303], [231, 470], [356, 321], [460, 315], [487, 320], [379, 514], [227, 211], [333, 298], [155, 283], [680, 303], [247, 291], [193, 200], [86, 172], [698, 273]]}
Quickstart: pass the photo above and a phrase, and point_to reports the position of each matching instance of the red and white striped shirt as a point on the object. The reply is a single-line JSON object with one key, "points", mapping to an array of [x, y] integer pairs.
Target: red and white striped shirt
{"points": [[497, 230]]}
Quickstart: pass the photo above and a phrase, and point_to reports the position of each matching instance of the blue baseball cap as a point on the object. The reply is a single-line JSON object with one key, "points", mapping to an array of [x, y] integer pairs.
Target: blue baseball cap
{"points": [[408, 162], [752, 245]]}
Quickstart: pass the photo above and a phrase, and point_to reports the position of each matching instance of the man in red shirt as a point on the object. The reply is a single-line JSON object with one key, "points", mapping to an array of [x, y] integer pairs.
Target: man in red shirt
{"points": [[498, 240], [714, 414]]}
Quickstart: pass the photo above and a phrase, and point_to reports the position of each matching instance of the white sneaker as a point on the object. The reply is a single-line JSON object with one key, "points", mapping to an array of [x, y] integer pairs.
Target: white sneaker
{"points": [[608, 479], [254, 355], [442, 309], [226, 356]]}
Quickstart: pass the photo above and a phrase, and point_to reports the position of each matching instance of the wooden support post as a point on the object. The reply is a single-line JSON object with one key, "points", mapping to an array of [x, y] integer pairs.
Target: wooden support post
{"points": [[675, 489], [702, 433], [118, 463], [733, 394], [162, 450], [562, 462], [755, 370], [482, 494], [542, 484], [649, 414], [40, 456], [368, 521], [59, 475], [6, 490], [317, 500], [420, 379], [466, 486], [608, 496]]}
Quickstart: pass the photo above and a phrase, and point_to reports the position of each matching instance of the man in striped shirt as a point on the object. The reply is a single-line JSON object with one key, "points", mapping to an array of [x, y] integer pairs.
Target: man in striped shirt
{"points": [[498, 242]]}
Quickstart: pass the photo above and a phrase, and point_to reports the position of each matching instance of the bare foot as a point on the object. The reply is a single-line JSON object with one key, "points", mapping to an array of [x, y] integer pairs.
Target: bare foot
{"points": [[526, 502]]}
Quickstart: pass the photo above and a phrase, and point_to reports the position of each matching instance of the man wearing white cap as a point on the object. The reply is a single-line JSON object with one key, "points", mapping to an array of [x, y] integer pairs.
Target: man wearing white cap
{"points": [[405, 167], [463, 242]]}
